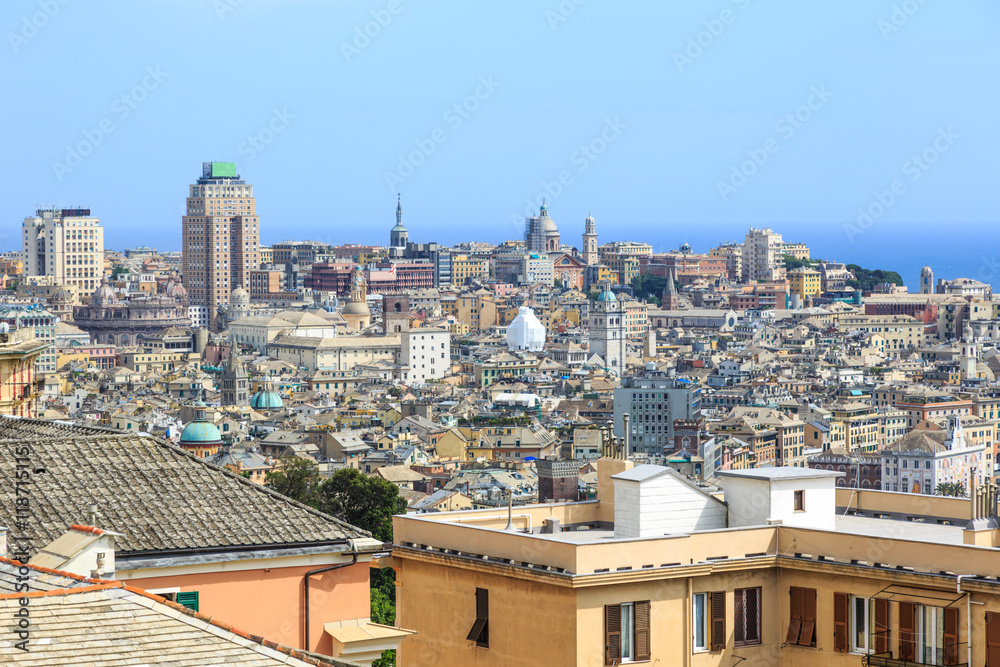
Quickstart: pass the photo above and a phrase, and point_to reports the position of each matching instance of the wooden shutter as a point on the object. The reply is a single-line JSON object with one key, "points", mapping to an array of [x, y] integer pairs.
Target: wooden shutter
{"points": [[795, 615], [718, 599], [950, 636], [841, 611], [188, 599], [907, 631], [992, 639], [808, 635], [480, 632], [612, 633], [642, 649], [882, 626]]}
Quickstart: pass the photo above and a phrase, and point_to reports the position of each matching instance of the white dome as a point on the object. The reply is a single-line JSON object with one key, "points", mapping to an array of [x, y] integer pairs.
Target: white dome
{"points": [[525, 332]]}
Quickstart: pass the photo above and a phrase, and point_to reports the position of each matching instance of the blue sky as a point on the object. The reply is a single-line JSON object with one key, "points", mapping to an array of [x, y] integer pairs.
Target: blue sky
{"points": [[643, 113]]}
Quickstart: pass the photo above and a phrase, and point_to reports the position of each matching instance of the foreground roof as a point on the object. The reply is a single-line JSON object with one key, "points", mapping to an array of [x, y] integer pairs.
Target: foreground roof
{"points": [[98, 623], [159, 496]]}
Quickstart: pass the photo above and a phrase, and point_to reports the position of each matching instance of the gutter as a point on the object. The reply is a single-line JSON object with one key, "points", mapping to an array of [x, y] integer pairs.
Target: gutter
{"points": [[305, 585]]}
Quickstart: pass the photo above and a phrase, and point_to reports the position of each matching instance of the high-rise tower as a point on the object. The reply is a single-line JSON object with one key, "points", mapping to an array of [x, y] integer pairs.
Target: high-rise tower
{"points": [[589, 249], [67, 244], [221, 237]]}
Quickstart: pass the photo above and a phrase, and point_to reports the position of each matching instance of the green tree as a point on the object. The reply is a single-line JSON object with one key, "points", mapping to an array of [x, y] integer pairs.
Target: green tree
{"points": [[362, 501], [297, 478], [867, 279], [368, 503]]}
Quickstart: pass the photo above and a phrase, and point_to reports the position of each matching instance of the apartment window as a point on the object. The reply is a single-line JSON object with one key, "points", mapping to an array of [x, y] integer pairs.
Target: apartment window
{"points": [[747, 611], [480, 632], [626, 632], [800, 501], [700, 613], [802, 622]]}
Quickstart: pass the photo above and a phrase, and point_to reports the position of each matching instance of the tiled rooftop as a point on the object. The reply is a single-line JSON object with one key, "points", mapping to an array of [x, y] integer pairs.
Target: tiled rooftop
{"points": [[158, 496]]}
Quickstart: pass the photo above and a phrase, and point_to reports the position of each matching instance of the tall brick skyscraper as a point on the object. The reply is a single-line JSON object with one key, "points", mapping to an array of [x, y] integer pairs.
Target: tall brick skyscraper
{"points": [[221, 237]]}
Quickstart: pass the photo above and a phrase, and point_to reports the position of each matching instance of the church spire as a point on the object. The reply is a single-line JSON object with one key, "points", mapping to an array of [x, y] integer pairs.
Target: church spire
{"points": [[399, 209]]}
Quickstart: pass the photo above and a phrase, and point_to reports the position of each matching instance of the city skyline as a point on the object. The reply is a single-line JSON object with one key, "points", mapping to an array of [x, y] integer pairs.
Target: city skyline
{"points": [[651, 152]]}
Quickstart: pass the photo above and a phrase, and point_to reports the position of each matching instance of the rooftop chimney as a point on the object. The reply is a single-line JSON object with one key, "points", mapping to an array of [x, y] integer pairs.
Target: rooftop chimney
{"points": [[92, 514], [3, 542]]}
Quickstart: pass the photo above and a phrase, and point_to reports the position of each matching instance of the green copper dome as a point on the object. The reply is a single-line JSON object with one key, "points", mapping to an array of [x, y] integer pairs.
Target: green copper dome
{"points": [[266, 400], [200, 431], [607, 295]]}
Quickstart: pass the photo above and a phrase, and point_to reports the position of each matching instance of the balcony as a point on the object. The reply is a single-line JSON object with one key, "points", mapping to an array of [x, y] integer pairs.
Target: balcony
{"points": [[886, 660]]}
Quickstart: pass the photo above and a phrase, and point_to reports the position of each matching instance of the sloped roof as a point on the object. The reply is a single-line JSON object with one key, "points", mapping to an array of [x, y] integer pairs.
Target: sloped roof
{"points": [[108, 624], [919, 441], [159, 496]]}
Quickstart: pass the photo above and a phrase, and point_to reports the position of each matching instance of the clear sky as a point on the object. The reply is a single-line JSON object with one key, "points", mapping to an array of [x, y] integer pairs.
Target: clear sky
{"points": [[643, 113]]}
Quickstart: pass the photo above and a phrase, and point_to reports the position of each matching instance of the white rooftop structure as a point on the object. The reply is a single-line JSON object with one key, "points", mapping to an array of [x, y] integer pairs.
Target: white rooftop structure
{"points": [[525, 332]]}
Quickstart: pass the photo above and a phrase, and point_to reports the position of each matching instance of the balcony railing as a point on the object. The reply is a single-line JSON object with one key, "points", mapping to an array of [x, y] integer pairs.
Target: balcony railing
{"points": [[886, 660]]}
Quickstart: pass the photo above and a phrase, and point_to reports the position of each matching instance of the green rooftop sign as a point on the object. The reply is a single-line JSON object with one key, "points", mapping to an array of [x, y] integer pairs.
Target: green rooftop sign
{"points": [[223, 170]]}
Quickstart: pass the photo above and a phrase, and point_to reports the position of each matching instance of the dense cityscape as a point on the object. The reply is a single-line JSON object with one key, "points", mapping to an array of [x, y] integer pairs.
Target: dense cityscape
{"points": [[499, 399], [375, 333]]}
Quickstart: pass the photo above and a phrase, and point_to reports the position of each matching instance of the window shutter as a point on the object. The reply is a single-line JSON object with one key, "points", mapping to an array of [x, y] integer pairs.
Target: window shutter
{"points": [[612, 633], [808, 635], [188, 599], [950, 636], [719, 621], [642, 648], [795, 617], [882, 626], [841, 610], [907, 631], [480, 632], [992, 639]]}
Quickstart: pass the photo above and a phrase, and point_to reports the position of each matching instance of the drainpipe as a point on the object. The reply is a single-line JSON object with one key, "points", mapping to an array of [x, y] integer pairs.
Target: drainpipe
{"points": [[968, 615], [328, 568]]}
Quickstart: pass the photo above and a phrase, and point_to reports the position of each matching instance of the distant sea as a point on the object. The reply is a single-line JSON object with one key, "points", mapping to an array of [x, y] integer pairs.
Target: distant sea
{"points": [[952, 251]]}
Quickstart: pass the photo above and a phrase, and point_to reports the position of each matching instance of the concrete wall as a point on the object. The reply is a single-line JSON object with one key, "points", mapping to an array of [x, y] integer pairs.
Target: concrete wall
{"points": [[664, 505], [753, 502]]}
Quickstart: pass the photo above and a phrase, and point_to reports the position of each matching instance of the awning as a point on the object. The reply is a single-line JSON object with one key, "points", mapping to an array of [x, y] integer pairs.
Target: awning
{"points": [[364, 642]]}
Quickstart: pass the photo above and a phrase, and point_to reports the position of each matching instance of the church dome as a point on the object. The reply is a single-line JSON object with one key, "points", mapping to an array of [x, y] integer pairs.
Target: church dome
{"points": [[239, 297], [200, 432], [175, 289], [104, 295], [607, 295], [548, 224], [267, 399], [356, 308], [62, 296], [686, 249]]}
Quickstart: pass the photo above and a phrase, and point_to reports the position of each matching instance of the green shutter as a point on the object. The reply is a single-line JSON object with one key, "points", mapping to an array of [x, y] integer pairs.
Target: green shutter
{"points": [[188, 599]]}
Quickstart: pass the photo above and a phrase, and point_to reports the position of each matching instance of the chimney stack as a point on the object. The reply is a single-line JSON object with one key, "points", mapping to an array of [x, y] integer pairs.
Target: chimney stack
{"points": [[92, 514], [3, 542]]}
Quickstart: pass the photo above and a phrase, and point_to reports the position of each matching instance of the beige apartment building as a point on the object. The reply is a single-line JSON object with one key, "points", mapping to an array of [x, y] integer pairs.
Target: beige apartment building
{"points": [[66, 244], [221, 237], [902, 333], [782, 570]]}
